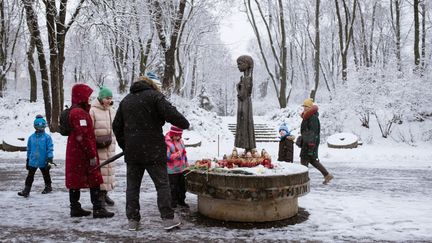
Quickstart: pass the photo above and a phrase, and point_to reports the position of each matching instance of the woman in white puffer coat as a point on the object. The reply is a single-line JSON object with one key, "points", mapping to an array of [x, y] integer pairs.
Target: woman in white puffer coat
{"points": [[102, 115]]}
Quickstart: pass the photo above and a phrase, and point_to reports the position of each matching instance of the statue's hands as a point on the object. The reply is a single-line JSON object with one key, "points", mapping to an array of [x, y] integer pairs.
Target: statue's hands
{"points": [[239, 97]]}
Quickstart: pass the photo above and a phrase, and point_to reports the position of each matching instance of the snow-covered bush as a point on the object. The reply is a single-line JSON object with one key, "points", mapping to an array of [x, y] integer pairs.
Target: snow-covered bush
{"points": [[206, 123]]}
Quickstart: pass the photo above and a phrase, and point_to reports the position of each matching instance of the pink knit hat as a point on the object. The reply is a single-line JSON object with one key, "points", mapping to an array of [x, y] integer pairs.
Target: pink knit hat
{"points": [[175, 131]]}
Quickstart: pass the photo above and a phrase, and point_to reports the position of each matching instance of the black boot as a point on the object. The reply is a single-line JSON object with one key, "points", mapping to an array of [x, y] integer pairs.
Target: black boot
{"points": [[47, 189], [102, 213], [25, 192], [47, 180], [108, 200], [77, 211], [75, 206], [98, 210]]}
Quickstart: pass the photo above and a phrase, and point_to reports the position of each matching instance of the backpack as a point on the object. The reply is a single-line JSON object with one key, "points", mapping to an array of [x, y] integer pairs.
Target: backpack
{"points": [[64, 127]]}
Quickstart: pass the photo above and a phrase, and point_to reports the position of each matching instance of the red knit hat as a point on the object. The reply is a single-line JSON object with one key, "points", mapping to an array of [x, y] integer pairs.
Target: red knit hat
{"points": [[175, 131]]}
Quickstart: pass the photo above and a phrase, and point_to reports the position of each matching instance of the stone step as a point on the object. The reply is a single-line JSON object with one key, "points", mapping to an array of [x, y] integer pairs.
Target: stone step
{"points": [[256, 126], [266, 140], [257, 135], [260, 131], [263, 133]]}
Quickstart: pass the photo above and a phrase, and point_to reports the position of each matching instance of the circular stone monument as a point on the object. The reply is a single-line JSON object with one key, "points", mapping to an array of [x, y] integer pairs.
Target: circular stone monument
{"points": [[249, 198], [342, 140]]}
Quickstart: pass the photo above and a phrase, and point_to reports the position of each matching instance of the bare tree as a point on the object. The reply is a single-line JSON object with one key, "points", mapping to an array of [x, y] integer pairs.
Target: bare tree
{"points": [[279, 53], [345, 32], [32, 22], [317, 45], [423, 36], [416, 34], [56, 32], [396, 29], [9, 34], [169, 46]]}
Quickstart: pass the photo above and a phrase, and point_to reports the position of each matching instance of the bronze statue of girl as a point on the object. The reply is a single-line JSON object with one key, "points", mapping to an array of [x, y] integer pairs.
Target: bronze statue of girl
{"points": [[245, 135]]}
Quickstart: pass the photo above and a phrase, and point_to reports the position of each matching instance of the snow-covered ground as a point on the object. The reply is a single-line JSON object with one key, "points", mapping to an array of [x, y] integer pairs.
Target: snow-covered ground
{"points": [[381, 192]]}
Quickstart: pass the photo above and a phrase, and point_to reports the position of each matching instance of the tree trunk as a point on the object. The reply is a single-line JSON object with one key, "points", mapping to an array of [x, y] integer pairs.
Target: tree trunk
{"points": [[51, 14], [398, 35], [345, 34], [283, 68], [31, 70], [35, 33], [416, 34], [61, 36], [3, 49], [194, 76], [317, 47], [423, 36]]}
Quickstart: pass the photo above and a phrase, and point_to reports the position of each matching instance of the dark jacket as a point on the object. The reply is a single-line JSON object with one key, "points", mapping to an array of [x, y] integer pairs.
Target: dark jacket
{"points": [[286, 150], [138, 124], [310, 131]]}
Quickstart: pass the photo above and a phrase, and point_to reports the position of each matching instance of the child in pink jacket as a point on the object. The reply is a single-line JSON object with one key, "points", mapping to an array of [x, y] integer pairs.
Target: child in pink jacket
{"points": [[177, 164]]}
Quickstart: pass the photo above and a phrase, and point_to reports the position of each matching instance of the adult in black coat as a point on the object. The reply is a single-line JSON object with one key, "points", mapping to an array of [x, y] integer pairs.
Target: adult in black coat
{"points": [[138, 128]]}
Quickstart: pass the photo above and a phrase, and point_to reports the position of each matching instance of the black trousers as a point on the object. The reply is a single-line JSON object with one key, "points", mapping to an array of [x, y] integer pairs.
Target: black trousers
{"points": [[178, 188], [30, 176], [158, 174]]}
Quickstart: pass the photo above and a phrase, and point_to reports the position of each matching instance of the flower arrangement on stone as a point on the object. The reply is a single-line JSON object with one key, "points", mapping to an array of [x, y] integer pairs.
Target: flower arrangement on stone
{"points": [[246, 159]]}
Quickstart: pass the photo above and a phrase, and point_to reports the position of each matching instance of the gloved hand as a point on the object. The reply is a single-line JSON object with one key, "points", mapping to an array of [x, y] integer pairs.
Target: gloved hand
{"points": [[93, 162], [27, 164], [50, 163], [310, 149]]}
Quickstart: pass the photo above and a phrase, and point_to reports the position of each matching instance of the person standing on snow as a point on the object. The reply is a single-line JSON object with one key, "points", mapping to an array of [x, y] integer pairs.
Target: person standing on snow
{"points": [[177, 164], [138, 128], [40, 151], [286, 144], [81, 156], [310, 134], [102, 114]]}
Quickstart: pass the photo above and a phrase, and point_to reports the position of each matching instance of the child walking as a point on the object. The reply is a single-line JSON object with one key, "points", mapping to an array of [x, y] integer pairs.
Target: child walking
{"points": [[39, 155], [177, 164], [286, 144]]}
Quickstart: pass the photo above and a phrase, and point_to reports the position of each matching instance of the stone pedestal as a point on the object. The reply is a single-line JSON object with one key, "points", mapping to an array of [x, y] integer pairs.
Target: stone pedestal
{"points": [[248, 198], [247, 211]]}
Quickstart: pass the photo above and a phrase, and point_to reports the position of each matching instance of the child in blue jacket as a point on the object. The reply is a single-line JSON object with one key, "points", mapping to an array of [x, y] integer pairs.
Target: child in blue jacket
{"points": [[39, 155]]}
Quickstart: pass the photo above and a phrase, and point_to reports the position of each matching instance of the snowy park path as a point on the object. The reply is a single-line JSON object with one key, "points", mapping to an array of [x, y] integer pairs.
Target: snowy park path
{"points": [[361, 204]]}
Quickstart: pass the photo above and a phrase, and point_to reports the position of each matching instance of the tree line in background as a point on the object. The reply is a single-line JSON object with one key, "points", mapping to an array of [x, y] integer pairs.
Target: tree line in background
{"points": [[340, 49], [373, 55]]}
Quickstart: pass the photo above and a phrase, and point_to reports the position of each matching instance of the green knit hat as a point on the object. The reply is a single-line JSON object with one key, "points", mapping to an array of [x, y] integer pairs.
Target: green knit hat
{"points": [[104, 92]]}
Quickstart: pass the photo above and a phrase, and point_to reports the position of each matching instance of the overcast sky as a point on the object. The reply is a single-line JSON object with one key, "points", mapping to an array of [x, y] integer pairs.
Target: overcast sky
{"points": [[236, 32]]}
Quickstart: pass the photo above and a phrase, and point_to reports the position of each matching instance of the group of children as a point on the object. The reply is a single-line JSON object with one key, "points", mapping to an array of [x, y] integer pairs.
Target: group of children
{"points": [[40, 153]]}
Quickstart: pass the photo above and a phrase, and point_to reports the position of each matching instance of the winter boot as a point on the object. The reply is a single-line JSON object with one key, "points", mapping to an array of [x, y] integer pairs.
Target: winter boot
{"points": [[77, 211], [102, 213], [25, 192], [108, 200], [327, 179], [47, 189]]}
